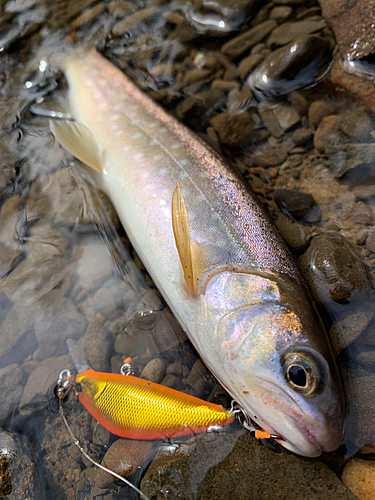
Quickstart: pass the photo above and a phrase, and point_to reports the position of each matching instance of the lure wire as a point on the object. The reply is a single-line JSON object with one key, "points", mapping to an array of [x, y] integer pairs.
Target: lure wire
{"points": [[100, 466]]}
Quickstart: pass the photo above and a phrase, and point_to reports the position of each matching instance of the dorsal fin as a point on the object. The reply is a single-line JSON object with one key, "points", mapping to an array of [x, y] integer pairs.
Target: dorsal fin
{"points": [[182, 238], [78, 140]]}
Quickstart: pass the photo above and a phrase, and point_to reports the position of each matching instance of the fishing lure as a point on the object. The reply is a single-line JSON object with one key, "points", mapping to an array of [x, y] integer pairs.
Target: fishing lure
{"points": [[135, 408]]}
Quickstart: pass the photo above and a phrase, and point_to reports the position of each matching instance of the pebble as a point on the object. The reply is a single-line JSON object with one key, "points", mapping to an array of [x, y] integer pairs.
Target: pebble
{"points": [[249, 63], [268, 157], [318, 110], [328, 136], [301, 136], [123, 457], [154, 370], [233, 129], [242, 43], [295, 234], [356, 123], [280, 14], [359, 477], [279, 118], [98, 344], [301, 63], [295, 203], [334, 270], [291, 31], [93, 263], [370, 242], [133, 20]]}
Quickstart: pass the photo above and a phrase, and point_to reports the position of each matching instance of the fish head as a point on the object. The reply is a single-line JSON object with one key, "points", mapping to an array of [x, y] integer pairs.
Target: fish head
{"points": [[275, 358], [89, 385]]}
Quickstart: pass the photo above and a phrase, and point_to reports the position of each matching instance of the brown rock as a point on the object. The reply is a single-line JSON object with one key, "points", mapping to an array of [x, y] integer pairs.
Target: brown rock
{"points": [[348, 329], [234, 129], [295, 234], [123, 457], [249, 63], [328, 136], [318, 110], [359, 477], [240, 44], [268, 157], [287, 32]]}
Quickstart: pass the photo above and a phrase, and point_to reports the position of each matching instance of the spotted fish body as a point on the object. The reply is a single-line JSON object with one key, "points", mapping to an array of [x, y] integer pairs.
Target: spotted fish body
{"points": [[134, 408], [232, 284]]}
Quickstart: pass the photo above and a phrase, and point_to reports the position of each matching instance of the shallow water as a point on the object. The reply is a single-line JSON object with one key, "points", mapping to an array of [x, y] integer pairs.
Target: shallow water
{"points": [[67, 269]]}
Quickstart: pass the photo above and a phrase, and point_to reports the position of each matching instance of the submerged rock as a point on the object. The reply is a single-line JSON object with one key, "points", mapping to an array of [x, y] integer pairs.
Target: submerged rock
{"points": [[220, 16], [241, 43], [334, 270], [301, 63], [359, 477]]}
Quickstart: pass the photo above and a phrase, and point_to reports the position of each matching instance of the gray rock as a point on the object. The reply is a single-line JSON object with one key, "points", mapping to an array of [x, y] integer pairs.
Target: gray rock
{"points": [[98, 344], [356, 123], [278, 118], [55, 325], [281, 13], [11, 390], [334, 270], [290, 31], [45, 375], [240, 44], [301, 136], [346, 330]]}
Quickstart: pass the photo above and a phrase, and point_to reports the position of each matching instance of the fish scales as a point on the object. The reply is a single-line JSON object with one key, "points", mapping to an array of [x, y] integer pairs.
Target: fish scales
{"points": [[135, 408], [243, 303]]}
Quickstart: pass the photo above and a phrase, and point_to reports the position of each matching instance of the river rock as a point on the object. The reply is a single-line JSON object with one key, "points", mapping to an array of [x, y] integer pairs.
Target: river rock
{"points": [[181, 471], [123, 457], [233, 129], [268, 157], [281, 13], [220, 16], [290, 31], [240, 44], [42, 378], [154, 370], [295, 203], [295, 234], [11, 390], [334, 270], [301, 63], [55, 325], [98, 344], [318, 110], [359, 477], [301, 136], [346, 330], [254, 471]]}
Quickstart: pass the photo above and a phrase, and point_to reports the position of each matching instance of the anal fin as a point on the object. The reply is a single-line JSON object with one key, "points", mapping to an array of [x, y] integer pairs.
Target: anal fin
{"points": [[78, 140], [181, 233]]}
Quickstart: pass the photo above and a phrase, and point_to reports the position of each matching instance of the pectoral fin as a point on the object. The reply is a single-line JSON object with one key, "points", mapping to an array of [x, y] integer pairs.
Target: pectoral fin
{"points": [[78, 140], [181, 233]]}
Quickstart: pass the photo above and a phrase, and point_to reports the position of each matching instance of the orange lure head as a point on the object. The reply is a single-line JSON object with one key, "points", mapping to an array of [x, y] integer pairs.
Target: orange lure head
{"points": [[134, 408]]}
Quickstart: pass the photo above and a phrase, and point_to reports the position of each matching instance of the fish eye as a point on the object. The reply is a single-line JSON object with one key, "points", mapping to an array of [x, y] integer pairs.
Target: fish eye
{"points": [[304, 372], [78, 387]]}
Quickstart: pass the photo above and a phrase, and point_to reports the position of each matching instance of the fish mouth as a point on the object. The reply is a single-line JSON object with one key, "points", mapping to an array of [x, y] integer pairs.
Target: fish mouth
{"points": [[303, 438]]}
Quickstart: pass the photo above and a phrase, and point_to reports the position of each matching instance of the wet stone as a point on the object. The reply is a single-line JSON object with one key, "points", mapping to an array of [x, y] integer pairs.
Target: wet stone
{"points": [[328, 136], [40, 380], [290, 31], [356, 123], [240, 44], [250, 62], [281, 13], [287, 474], [154, 370], [295, 234], [294, 203], [132, 21], [370, 242], [334, 270], [11, 390], [318, 110], [359, 477], [301, 63], [345, 331], [55, 325], [98, 344], [268, 157], [123, 457], [233, 129], [220, 16]]}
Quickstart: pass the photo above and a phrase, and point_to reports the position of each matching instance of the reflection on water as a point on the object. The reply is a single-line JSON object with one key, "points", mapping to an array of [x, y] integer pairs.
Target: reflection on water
{"points": [[65, 267]]}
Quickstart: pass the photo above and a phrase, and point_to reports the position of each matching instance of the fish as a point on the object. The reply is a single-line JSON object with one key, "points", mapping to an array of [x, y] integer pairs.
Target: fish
{"points": [[134, 408], [213, 253]]}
